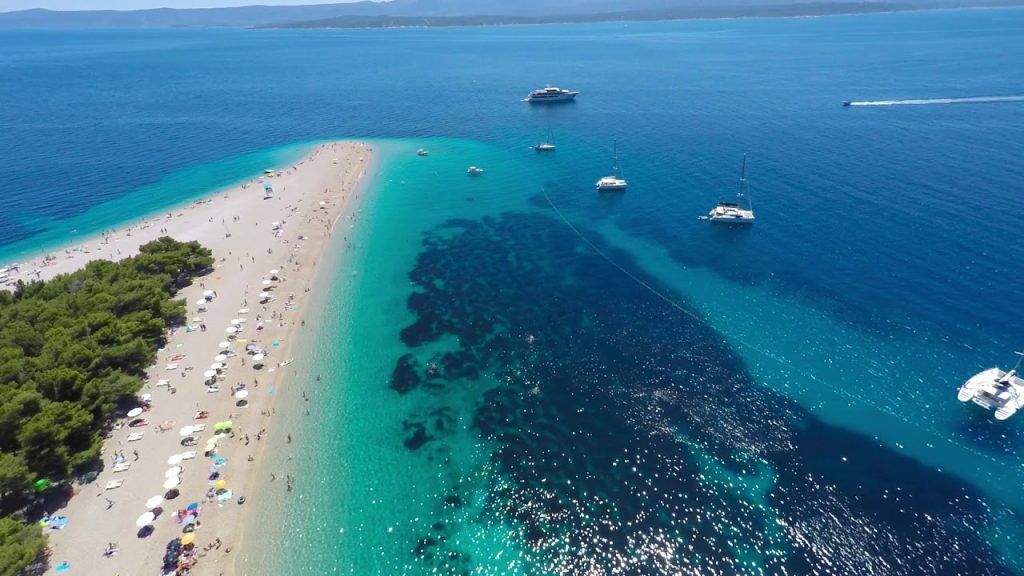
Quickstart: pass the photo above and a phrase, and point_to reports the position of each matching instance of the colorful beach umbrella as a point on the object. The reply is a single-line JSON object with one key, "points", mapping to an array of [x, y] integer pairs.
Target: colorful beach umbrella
{"points": [[225, 425], [188, 538], [220, 484], [41, 484]]}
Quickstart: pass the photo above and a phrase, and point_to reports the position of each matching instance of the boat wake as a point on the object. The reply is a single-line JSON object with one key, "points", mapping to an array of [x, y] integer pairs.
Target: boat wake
{"points": [[973, 100]]}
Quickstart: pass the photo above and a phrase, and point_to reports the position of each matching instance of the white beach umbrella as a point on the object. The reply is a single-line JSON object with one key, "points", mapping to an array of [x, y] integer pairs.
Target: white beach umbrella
{"points": [[145, 519], [208, 293], [172, 472], [174, 460], [172, 482], [267, 282], [237, 322], [258, 357], [231, 329], [202, 302], [134, 412], [275, 271], [241, 394], [209, 374], [264, 294], [220, 357], [185, 431], [224, 344], [154, 502], [217, 366]]}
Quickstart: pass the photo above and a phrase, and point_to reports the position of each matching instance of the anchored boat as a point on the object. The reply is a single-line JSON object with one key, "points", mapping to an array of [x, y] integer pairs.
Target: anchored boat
{"points": [[994, 389]]}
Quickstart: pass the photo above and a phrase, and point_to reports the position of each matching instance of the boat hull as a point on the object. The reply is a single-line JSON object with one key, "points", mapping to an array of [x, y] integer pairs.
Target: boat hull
{"points": [[552, 99]]}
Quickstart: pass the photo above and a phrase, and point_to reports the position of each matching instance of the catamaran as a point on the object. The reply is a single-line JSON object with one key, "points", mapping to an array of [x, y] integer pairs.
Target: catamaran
{"points": [[732, 212], [615, 182], [996, 389]]}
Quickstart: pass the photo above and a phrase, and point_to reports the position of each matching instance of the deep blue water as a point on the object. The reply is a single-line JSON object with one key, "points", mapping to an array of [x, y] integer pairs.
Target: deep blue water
{"points": [[881, 273]]}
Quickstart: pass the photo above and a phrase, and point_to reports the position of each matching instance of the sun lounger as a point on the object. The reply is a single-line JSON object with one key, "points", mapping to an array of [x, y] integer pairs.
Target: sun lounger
{"points": [[243, 310], [135, 436], [188, 455], [114, 485], [212, 389], [171, 367], [123, 467], [163, 382]]}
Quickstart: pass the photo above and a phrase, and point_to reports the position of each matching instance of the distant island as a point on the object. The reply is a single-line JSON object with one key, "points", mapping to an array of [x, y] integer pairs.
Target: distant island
{"points": [[447, 13]]}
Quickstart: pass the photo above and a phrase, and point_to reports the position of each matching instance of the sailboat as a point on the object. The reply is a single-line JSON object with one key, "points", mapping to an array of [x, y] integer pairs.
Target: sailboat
{"points": [[615, 182], [995, 389], [731, 212], [545, 145]]}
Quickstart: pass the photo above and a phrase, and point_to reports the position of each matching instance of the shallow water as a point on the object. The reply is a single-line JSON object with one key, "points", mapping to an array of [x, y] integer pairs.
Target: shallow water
{"points": [[520, 376]]}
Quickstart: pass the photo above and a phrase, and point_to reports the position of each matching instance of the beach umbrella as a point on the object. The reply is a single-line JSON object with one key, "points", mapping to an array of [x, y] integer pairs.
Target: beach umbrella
{"points": [[275, 271], [186, 431], [220, 357], [267, 282], [134, 412], [224, 344], [174, 460], [220, 484], [154, 502], [172, 472], [241, 394], [259, 356], [193, 506], [275, 223], [225, 425], [41, 484], [208, 293], [188, 538], [217, 366], [237, 321], [209, 374], [202, 302], [145, 519], [264, 294], [172, 482], [231, 330]]}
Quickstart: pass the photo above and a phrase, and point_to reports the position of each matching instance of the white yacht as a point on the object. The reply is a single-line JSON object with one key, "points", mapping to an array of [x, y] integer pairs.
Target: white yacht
{"points": [[550, 94], [995, 389], [422, 152], [732, 212], [615, 182], [473, 171]]}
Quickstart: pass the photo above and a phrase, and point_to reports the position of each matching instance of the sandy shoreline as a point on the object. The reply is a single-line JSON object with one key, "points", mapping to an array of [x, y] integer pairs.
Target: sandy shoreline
{"points": [[238, 224]]}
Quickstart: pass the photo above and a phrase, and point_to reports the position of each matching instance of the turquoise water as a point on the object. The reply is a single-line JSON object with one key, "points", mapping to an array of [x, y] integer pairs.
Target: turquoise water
{"points": [[612, 386]]}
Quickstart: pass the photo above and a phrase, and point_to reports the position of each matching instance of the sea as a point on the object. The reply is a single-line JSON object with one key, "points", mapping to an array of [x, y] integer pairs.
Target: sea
{"points": [[512, 374]]}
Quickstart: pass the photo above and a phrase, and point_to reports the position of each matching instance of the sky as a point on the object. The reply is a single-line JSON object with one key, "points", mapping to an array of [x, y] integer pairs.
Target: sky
{"points": [[9, 5]]}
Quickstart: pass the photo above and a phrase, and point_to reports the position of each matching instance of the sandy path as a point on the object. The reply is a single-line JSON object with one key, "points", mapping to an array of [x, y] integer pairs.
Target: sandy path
{"points": [[308, 200]]}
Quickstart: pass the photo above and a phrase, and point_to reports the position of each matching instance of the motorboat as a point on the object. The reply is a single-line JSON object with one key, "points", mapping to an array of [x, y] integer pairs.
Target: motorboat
{"points": [[550, 94], [474, 171], [422, 152], [615, 182], [995, 389]]}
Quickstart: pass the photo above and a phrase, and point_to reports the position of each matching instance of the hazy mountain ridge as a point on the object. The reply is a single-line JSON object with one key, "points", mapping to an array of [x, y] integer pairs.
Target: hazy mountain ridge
{"points": [[457, 13]]}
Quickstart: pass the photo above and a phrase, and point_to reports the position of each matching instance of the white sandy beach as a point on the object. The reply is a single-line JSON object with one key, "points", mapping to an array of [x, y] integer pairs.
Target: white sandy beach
{"points": [[239, 226]]}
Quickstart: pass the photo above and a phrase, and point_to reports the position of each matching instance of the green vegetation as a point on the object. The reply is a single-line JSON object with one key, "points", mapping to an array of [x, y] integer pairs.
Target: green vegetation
{"points": [[71, 349]]}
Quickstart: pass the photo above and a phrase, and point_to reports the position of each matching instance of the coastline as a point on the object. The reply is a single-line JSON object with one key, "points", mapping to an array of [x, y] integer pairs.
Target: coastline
{"points": [[320, 285], [282, 158], [329, 180]]}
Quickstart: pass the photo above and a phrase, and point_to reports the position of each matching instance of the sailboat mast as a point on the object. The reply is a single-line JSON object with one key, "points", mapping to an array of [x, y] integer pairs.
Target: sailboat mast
{"points": [[743, 185]]}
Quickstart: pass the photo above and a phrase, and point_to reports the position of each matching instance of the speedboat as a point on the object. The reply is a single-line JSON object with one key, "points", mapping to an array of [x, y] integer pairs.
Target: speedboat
{"points": [[847, 103], [550, 94], [994, 389], [421, 152], [615, 182], [473, 171]]}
